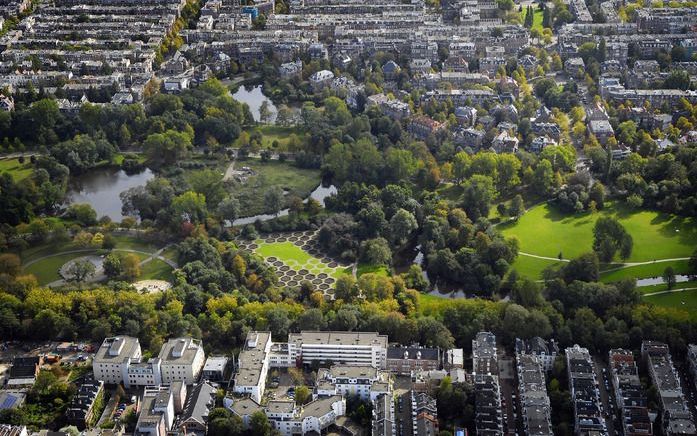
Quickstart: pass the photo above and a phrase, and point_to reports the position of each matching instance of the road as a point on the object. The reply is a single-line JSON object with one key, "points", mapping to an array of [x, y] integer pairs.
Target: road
{"points": [[606, 396]]}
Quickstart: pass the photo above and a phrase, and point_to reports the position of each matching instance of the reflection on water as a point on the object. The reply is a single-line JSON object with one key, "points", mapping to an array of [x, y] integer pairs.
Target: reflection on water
{"points": [[679, 278], [320, 193], [101, 188], [254, 98]]}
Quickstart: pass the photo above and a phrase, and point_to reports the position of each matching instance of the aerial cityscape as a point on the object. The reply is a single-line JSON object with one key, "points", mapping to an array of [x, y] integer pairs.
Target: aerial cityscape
{"points": [[348, 217]]}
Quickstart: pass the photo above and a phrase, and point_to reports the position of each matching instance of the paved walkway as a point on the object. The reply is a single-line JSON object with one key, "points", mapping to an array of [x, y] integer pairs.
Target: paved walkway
{"points": [[670, 291]]}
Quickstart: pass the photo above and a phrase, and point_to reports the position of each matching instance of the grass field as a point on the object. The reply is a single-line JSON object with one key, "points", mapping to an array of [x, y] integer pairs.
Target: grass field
{"points": [[17, 170], [663, 287], [297, 258], [545, 231], [48, 258], [371, 269], [296, 181], [686, 300], [156, 270], [643, 271], [282, 135]]}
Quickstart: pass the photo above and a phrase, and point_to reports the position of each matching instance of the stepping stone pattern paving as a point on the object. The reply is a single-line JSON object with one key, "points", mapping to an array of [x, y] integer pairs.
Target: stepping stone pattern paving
{"points": [[320, 270]]}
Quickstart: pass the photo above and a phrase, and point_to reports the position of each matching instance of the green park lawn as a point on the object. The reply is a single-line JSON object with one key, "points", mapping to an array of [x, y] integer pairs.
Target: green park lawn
{"points": [[17, 170], [297, 181], [642, 271], [297, 258], [545, 231], [663, 287], [372, 269], [156, 270], [46, 270], [686, 300], [281, 134]]}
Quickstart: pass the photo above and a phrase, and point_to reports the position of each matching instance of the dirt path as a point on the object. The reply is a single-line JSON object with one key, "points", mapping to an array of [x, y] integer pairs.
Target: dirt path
{"points": [[229, 171]]}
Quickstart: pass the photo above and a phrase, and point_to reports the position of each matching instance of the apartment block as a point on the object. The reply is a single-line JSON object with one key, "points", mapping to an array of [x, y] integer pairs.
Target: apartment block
{"points": [[534, 401], [677, 417], [585, 393], [489, 418], [629, 395]]}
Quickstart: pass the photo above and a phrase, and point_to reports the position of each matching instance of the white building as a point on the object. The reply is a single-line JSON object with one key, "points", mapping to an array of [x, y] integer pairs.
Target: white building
{"points": [[182, 359], [144, 373], [113, 359], [341, 348], [156, 413], [365, 381], [253, 366]]}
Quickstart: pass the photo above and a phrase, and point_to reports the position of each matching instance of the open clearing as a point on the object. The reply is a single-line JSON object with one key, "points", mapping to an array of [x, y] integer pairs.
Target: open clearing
{"points": [[684, 300], [545, 231], [293, 180], [17, 170]]}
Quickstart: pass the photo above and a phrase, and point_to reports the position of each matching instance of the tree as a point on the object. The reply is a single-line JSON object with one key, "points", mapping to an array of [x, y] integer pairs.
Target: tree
{"points": [[609, 238], [259, 424], [517, 207], [131, 266], [189, 207], [585, 268], [80, 270], [376, 252], [478, 194], [83, 213], [10, 264], [669, 277], [402, 224], [112, 265], [265, 112], [273, 200], [229, 209], [222, 422], [302, 395], [166, 148]]}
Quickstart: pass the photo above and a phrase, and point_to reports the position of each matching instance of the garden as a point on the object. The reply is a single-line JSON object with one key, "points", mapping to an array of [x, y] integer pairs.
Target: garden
{"points": [[296, 257]]}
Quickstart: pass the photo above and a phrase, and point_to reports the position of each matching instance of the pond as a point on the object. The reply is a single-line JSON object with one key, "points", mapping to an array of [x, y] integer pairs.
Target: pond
{"points": [[253, 96], [101, 187], [679, 278]]}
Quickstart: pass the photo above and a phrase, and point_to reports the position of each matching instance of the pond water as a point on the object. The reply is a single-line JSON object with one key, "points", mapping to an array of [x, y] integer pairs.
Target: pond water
{"points": [[320, 193], [101, 188], [253, 96], [679, 278]]}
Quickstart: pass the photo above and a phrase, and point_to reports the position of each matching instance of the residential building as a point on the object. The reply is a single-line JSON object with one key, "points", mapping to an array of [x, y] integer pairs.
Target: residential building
{"points": [[199, 403], [81, 407], [321, 79], [365, 381], [114, 357], [692, 362], [156, 412], [545, 351], [488, 418], [253, 366], [341, 348], [585, 393], [423, 126], [534, 402], [629, 395], [384, 422], [677, 417], [182, 359], [13, 430], [24, 371], [424, 412], [214, 369], [405, 360]]}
